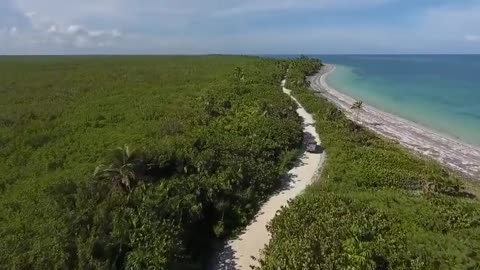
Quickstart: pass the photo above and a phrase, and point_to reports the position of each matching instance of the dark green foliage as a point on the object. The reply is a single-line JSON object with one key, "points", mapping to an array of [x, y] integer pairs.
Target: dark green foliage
{"points": [[125, 168], [377, 206], [213, 136]]}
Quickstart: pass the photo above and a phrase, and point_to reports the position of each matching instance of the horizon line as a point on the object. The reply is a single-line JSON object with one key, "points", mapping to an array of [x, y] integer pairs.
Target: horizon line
{"points": [[248, 54]]}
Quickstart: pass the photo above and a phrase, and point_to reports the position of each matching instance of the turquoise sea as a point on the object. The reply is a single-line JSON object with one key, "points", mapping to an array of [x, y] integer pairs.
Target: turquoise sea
{"points": [[441, 92]]}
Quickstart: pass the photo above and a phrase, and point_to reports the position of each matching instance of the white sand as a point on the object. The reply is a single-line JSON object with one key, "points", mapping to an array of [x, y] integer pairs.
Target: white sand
{"points": [[240, 252], [457, 155]]}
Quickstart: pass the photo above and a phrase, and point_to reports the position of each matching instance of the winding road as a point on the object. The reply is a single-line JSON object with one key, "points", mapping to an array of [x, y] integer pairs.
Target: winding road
{"points": [[243, 251]]}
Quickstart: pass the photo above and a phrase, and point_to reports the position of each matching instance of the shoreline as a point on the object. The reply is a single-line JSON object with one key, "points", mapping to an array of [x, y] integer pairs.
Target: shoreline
{"points": [[457, 155]]}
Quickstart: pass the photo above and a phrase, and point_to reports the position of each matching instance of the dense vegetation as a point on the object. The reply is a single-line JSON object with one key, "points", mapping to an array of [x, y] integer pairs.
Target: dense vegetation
{"points": [[376, 206], [208, 138]]}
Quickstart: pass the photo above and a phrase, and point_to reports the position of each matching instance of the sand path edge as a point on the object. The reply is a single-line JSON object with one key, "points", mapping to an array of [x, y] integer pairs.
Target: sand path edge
{"points": [[243, 252]]}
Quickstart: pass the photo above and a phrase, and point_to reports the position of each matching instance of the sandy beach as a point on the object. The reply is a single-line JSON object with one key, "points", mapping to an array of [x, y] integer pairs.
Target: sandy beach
{"points": [[243, 251], [460, 156]]}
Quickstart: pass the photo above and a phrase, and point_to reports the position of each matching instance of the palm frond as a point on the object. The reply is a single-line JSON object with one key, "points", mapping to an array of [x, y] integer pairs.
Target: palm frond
{"points": [[123, 169], [99, 169]]}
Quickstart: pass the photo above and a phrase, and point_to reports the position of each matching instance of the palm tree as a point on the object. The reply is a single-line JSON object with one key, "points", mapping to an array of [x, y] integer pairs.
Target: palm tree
{"points": [[239, 74], [357, 106], [219, 228], [307, 83], [124, 169]]}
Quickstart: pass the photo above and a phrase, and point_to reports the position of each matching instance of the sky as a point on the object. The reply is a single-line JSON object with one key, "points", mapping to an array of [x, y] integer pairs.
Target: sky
{"points": [[239, 26]]}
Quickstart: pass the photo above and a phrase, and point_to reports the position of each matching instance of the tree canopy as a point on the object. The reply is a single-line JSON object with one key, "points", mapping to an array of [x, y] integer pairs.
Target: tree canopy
{"points": [[136, 162]]}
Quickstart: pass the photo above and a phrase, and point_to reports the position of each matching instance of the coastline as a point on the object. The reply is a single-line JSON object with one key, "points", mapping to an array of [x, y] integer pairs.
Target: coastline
{"points": [[458, 155]]}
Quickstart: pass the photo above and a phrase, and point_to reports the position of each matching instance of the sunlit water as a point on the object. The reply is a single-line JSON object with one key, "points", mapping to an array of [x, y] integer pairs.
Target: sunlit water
{"points": [[440, 92]]}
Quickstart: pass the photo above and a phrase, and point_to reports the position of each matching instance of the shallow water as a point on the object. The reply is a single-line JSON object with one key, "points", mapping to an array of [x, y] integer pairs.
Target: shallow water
{"points": [[439, 92]]}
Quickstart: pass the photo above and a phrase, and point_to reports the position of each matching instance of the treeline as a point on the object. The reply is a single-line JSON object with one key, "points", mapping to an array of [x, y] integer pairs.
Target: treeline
{"points": [[376, 206], [136, 162]]}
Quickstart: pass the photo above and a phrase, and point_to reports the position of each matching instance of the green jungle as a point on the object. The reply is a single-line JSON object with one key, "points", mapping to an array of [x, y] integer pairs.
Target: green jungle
{"points": [[146, 162], [136, 162]]}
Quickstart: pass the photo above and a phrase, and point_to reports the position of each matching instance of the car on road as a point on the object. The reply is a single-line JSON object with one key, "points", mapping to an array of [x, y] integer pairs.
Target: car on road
{"points": [[314, 148]]}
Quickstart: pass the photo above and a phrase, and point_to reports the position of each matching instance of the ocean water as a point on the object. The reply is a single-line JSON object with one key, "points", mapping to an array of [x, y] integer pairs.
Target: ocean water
{"points": [[439, 92]]}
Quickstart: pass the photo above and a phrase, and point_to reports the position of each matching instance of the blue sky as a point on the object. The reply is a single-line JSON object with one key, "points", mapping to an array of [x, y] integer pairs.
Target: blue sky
{"points": [[239, 27]]}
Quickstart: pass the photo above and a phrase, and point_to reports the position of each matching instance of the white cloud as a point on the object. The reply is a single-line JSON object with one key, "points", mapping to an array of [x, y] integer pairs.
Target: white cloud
{"points": [[255, 6], [76, 30], [450, 22], [13, 31], [116, 33], [166, 10], [472, 37], [182, 26], [52, 29], [44, 31]]}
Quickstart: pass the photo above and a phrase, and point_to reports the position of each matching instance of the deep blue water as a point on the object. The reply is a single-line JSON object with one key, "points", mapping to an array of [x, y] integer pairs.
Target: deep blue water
{"points": [[441, 92]]}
